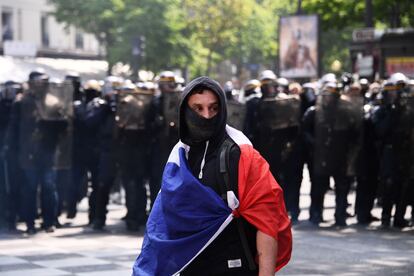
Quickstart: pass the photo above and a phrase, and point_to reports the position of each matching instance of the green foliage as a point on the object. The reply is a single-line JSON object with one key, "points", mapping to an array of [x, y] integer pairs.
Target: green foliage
{"points": [[197, 35], [340, 17], [186, 34]]}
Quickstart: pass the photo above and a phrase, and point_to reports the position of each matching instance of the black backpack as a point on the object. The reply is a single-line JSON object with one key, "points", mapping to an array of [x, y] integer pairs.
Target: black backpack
{"points": [[233, 186]]}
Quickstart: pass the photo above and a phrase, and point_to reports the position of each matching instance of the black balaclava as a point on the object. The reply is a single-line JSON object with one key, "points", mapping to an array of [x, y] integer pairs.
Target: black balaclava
{"points": [[199, 129], [194, 129]]}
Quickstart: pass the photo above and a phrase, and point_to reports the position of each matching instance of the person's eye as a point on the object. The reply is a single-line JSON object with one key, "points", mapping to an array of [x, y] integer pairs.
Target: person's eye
{"points": [[197, 108]]}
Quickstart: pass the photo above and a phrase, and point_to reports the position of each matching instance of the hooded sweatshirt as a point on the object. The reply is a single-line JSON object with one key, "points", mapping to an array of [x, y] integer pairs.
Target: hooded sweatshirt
{"points": [[203, 161]]}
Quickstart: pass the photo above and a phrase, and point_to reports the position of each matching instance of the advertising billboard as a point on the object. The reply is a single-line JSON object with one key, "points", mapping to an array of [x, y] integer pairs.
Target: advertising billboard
{"points": [[403, 65], [298, 46]]}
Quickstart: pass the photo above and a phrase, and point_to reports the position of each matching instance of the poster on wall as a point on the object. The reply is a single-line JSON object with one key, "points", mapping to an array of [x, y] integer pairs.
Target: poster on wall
{"points": [[298, 46]]}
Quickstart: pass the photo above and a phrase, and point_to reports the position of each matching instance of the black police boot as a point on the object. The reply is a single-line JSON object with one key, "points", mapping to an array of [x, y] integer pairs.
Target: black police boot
{"points": [[98, 224], [400, 223]]}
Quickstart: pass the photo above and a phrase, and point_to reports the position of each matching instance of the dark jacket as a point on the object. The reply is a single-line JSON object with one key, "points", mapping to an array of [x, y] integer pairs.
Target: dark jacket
{"points": [[227, 246], [37, 140]]}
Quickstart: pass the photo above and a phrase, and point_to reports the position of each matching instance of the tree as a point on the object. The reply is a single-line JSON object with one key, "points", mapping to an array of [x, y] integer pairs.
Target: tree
{"points": [[98, 17], [117, 24], [214, 25], [339, 18]]}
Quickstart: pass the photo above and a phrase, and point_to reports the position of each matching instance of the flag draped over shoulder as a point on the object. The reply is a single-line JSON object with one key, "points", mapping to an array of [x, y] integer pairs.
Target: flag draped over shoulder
{"points": [[187, 215]]}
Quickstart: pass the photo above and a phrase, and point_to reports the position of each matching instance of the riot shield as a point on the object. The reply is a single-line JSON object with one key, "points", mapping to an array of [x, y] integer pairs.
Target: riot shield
{"points": [[171, 105], [338, 128], [63, 155], [236, 114], [351, 110], [8, 92], [280, 112], [325, 119], [410, 111], [54, 101], [353, 107], [132, 109], [405, 130]]}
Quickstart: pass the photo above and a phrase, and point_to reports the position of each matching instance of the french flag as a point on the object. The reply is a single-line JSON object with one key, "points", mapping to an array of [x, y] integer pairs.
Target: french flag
{"points": [[187, 215]]}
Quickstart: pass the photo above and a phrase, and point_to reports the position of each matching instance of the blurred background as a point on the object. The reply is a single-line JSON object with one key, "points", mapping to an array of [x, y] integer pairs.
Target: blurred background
{"points": [[223, 39]]}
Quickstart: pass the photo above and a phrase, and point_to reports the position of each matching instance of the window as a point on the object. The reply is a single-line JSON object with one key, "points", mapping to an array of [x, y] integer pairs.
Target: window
{"points": [[7, 25], [45, 30], [78, 39]]}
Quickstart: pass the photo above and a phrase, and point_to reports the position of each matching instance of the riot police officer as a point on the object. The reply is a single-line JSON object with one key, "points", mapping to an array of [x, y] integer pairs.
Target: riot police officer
{"points": [[101, 116], [64, 167], [366, 162], [393, 126], [236, 110], [164, 108], [307, 97], [283, 85], [251, 97], [9, 175], [278, 123], [133, 140], [331, 135], [85, 151], [40, 115]]}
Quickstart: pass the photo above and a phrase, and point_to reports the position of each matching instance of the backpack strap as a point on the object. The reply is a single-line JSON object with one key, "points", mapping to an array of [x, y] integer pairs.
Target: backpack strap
{"points": [[224, 171]]}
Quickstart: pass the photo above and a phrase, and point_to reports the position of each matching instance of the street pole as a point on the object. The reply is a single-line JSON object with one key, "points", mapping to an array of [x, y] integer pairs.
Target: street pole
{"points": [[369, 20], [299, 9]]}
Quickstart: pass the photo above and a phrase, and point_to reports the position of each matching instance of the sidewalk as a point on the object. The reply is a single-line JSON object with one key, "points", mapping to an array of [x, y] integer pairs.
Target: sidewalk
{"points": [[78, 250], [74, 249]]}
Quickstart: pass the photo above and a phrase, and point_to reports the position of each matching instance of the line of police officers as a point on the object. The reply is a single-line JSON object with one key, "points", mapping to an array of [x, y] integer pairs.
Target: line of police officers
{"points": [[61, 136], [347, 130], [58, 136]]}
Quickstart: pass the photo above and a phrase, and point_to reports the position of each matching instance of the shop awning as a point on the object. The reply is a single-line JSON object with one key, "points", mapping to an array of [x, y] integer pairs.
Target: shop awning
{"points": [[18, 69]]}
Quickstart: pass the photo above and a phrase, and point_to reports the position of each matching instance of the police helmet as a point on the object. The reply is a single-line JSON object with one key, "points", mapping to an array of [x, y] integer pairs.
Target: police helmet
{"points": [[330, 87], [128, 86], [111, 84], [364, 82], [10, 90], [346, 78], [72, 76], [167, 81], [38, 74], [228, 87], [308, 92], [283, 82], [167, 76], [398, 78], [328, 78], [251, 85], [92, 85], [267, 76]]}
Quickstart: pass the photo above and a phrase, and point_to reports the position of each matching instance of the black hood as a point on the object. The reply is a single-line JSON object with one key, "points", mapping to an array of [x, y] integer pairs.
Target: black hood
{"points": [[216, 88]]}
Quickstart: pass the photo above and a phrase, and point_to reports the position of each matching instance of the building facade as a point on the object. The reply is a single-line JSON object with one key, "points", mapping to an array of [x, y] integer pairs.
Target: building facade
{"points": [[31, 21], [31, 35]]}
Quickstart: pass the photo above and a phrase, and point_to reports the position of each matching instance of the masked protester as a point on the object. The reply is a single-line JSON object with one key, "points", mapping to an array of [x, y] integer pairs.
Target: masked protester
{"points": [[207, 218]]}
